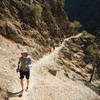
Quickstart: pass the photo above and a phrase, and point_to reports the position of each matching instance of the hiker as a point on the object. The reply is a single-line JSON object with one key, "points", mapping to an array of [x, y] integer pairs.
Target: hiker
{"points": [[49, 49], [24, 65]]}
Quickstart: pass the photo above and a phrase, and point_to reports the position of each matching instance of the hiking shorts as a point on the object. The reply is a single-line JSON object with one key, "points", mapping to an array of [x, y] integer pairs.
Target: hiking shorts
{"points": [[24, 74]]}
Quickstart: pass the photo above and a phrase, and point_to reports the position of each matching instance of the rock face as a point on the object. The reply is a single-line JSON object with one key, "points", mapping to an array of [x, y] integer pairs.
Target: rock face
{"points": [[86, 12], [26, 18]]}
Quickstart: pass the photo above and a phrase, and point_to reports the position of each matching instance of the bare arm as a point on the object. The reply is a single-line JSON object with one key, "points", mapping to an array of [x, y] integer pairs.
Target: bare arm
{"points": [[18, 64], [17, 70]]}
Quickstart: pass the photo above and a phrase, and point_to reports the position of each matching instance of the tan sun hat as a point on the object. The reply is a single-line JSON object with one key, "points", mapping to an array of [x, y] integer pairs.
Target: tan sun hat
{"points": [[24, 51]]}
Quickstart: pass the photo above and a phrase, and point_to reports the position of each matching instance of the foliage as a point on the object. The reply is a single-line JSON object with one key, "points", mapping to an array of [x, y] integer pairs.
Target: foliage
{"points": [[75, 24], [35, 11], [91, 50], [61, 2], [85, 32]]}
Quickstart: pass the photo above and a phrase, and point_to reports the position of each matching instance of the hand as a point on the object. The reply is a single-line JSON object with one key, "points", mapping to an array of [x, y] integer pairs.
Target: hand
{"points": [[17, 70]]}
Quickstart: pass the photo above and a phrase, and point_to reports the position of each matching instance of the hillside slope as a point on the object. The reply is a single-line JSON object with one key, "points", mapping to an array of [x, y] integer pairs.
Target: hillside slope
{"points": [[43, 84]]}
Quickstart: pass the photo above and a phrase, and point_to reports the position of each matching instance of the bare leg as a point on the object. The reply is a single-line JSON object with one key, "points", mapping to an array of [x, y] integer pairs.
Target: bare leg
{"points": [[27, 84], [22, 84]]}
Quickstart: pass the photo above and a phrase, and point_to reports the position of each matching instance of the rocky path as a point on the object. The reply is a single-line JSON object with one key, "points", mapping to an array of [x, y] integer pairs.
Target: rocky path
{"points": [[44, 86]]}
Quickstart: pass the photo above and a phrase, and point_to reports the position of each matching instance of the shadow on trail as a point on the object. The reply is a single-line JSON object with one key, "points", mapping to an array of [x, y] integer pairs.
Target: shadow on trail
{"points": [[91, 86], [15, 94]]}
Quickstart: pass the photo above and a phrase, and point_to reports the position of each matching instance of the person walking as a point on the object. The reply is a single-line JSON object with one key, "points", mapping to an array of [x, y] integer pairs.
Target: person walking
{"points": [[24, 65]]}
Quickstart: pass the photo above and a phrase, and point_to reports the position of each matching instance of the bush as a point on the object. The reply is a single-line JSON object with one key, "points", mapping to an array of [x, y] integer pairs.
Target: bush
{"points": [[85, 32], [75, 24], [91, 50], [35, 12], [61, 2]]}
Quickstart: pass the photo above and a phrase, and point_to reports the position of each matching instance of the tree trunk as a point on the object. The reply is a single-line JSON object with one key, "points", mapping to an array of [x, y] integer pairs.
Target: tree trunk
{"points": [[94, 66], [92, 73]]}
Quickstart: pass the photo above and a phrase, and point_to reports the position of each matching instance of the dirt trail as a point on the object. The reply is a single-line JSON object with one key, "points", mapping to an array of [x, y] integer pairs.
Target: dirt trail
{"points": [[44, 86]]}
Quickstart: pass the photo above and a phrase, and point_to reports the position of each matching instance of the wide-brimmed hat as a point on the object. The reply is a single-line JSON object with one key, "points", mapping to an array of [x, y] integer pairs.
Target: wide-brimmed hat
{"points": [[24, 51]]}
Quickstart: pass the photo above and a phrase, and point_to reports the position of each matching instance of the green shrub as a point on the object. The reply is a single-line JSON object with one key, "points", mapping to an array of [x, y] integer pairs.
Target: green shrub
{"points": [[91, 50], [85, 32], [35, 12], [61, 2], [75, 24]]}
